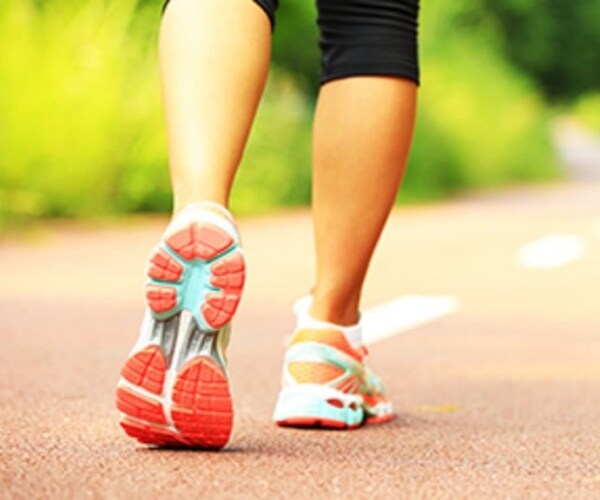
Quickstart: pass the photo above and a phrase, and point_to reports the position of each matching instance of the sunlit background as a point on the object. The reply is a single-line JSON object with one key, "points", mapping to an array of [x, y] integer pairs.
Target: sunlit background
{"points": [[81, 127], [481, 312]]}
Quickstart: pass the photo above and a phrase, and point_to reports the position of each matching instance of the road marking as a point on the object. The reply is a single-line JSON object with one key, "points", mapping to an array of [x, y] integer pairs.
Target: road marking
{"points": [[552, 251], [448, 408], [404, 313]]}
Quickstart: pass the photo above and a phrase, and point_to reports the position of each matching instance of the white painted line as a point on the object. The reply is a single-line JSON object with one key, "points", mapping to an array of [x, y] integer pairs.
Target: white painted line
{"points": [[404, 313], [552, 251]]}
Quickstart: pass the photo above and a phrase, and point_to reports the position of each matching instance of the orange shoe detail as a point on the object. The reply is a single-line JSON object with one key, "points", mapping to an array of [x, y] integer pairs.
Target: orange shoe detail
{"points": [[200, 241], [202, 409], [197, 267], [310, 422], [150, 434], [138, 406], [229, 273], [163, 267], [351, 385], [161, 298], [314, 373], [219, 308], [336, 403], [373, 400], [146, 369], [231, 264], [380, 419], [331, 337], [345, 396], [228, 283]]}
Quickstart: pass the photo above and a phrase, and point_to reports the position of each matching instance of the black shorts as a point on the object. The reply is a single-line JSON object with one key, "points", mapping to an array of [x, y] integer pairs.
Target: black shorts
{"points": [[364, 37]]}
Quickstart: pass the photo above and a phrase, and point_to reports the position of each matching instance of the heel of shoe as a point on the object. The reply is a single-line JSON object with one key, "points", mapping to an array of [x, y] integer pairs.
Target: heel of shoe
{"points": [[316, 406], [199, 267]]}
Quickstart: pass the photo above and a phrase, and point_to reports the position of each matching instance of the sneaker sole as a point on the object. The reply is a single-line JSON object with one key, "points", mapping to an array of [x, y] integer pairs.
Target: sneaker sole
{"points": [[174, 389], [314, 406]]}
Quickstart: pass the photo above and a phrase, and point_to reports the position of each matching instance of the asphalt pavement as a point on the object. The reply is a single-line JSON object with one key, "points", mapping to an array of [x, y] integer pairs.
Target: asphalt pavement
{"points": [[498, 399]]}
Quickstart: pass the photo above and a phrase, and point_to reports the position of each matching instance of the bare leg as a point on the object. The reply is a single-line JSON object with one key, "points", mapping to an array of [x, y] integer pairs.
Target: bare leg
{"points": [[362, 135], [214, 58]]}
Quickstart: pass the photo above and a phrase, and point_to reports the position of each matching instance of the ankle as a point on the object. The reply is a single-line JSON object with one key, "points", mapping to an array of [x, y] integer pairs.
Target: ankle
{"points": [[351, 329], [210, 206], [342, 313], [183, 199]]}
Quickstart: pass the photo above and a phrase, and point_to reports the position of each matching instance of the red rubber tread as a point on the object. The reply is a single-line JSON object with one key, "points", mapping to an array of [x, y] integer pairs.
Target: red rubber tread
{"points": [[314, 423], [200, 241], [202, 410], [201, 413], [219, 308], [139, 406], [229, 273], [149, 434], [380, 419], [146, 369], [161, 298], [163, 267]]}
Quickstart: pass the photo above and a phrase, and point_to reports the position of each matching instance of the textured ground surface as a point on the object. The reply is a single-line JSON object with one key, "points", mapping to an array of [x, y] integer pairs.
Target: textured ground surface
{"points": [[501, 399]]}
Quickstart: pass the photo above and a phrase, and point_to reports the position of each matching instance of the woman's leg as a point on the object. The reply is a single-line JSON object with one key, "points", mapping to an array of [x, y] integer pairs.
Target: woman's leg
{"points": [[362, 135], [174, 388], [214, 59]]}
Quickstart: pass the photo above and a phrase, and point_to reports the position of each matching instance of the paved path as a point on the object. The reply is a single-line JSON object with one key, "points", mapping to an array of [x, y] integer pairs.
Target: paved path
{"points": [[498, 399]]}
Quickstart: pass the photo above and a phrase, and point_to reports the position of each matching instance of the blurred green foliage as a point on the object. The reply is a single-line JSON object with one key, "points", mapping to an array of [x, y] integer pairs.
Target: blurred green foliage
{"points": [[587, 110], [481, 123], [555, 42], [295, 43], [81, 130]]}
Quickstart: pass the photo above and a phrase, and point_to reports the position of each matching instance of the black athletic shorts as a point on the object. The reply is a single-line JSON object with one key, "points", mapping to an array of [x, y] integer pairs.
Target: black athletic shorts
{"points": [[364, 37]]}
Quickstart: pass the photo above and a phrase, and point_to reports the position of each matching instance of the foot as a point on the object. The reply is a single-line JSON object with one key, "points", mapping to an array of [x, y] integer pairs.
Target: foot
{"points": [[326, 382], [174, 388]]}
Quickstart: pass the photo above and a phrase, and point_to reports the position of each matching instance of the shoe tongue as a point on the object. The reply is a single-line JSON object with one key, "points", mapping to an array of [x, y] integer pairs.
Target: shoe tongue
{"points": [[304, 320]]}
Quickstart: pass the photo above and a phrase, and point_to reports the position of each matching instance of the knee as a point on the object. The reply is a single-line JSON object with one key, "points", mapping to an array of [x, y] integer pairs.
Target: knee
{"points": [[368, 37], [269, 6]]}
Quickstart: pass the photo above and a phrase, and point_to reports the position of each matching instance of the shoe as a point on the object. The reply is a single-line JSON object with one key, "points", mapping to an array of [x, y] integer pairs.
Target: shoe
{"points": [[174, 388], [326, 382]]}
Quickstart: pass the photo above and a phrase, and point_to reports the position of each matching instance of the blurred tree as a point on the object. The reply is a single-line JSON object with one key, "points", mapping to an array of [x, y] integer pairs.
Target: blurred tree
{"points": [[295, 45], [554, 41], [81, 128]]}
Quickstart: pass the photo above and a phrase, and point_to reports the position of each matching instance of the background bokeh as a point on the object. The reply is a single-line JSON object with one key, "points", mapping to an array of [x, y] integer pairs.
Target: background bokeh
{"points": [[81, 128]]}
